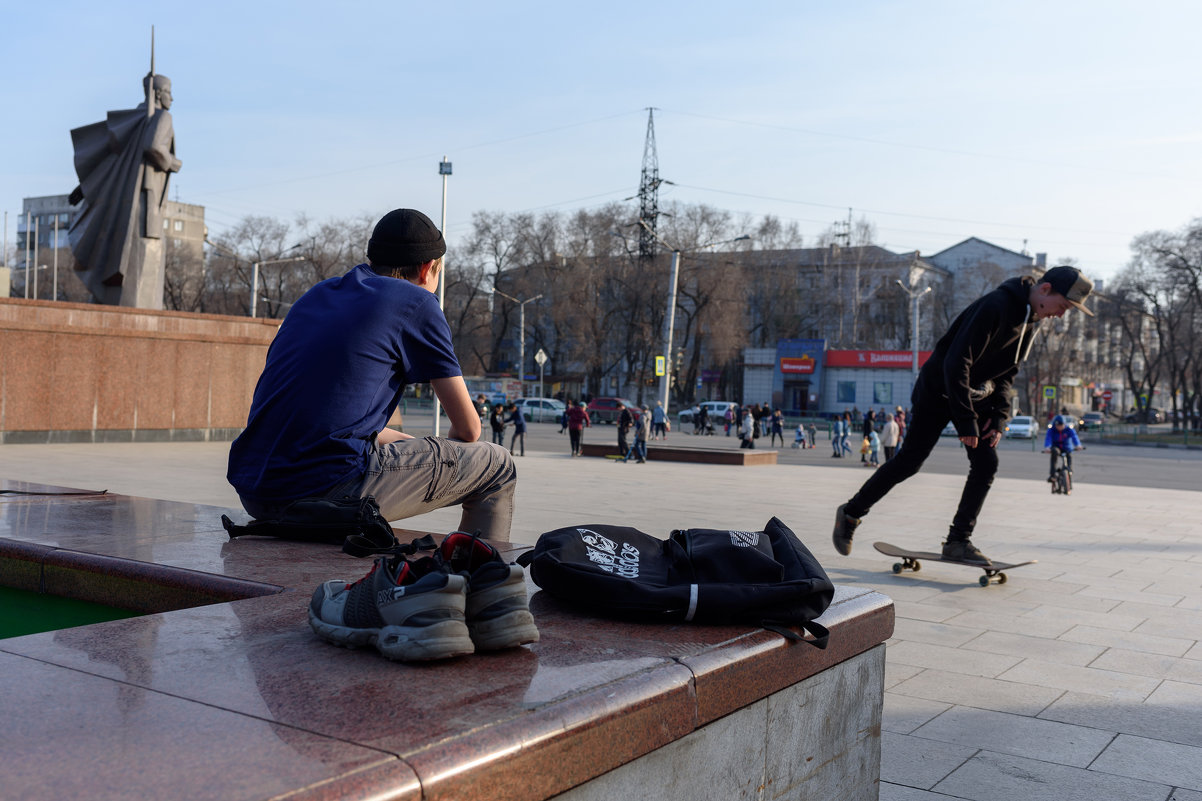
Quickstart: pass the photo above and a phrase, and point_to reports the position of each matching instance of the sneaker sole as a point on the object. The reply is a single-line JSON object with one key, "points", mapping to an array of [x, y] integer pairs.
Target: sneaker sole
{"points": [[507, 631], [401, 643]]}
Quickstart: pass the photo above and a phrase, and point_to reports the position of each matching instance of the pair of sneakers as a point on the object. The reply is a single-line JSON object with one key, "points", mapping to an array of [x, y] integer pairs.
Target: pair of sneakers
{"points": [[462, 599], [956, 550]]}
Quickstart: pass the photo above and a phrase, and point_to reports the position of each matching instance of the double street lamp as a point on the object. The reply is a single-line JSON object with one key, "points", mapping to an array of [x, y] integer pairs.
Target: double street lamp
{"points": [[522, 333], [665, 381], [915, 295], [254, 277]]}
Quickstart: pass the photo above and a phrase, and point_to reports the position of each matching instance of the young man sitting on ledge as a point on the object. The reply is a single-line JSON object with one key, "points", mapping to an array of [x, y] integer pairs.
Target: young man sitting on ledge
{"points": [[318, 428]]}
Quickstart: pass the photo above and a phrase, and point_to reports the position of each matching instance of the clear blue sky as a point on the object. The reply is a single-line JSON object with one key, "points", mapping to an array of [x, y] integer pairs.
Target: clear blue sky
{"points": [[1072, 125]]}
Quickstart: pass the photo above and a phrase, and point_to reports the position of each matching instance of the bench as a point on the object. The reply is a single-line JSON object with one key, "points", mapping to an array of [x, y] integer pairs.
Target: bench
{"points": [[237, 698], [684, 453]]}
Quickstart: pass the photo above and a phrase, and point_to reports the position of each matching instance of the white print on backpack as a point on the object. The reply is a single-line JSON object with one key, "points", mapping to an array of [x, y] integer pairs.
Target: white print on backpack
{"points": [[595, 540], [745, 539], [603, 552]]}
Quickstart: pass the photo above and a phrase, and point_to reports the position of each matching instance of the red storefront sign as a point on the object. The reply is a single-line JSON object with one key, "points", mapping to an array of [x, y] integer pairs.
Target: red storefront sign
{"points": [[901, 359], [795, 365]]}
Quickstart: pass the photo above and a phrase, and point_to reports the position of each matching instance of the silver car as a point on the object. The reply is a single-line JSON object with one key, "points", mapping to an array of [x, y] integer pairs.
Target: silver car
{"points": [[541, 409]]}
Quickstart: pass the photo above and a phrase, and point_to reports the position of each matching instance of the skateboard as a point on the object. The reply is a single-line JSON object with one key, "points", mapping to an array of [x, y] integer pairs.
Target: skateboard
{"points": [[993, 572]]}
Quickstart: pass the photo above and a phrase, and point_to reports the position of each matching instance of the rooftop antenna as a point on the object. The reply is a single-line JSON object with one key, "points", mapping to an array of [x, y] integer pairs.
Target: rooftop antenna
{"points": [[649, 193]]}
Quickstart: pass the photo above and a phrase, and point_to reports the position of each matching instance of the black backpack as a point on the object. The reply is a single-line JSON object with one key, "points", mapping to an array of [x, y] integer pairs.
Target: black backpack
{"points": [[354, 523], [767, 578]]}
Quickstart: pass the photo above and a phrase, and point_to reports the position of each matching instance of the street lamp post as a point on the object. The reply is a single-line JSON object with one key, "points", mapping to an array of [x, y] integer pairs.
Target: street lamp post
{"points": [[521, 334], [444, 169], [254, 277], [915, 296], [665, 381]]}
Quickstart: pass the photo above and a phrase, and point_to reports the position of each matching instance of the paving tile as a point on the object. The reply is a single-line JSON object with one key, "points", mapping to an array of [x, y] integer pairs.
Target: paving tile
{"points": [[955, 660], [1017, 735], [1108, 683], [978, 692], [904, 713], [1110, 638], [1066, 600], [1152, 665], [999, 777], [1168, 714], [924, 611], [919, 763], [1001, 621], [900, 792], [1068, 653], [895, 673], [1183, 623], [1195, 652], [1153, 760], [1178, 795], [933, 633], [1081, 617], [1132, 592]]}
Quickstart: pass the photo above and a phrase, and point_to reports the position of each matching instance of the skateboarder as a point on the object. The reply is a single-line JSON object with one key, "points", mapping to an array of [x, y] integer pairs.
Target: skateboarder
{"points": [[967, 380]]}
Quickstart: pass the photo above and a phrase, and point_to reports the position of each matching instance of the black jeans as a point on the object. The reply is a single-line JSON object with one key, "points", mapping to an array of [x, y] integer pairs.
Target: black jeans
{"points": [[1068, 459], [922, 434]]}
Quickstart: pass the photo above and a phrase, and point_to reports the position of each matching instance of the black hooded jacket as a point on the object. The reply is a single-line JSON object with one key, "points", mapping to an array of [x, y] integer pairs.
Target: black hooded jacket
{"points": [[973, 366]]}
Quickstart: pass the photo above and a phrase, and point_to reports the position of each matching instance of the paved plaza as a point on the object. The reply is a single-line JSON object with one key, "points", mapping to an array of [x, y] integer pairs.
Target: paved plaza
{"points": [[1080, 678]]}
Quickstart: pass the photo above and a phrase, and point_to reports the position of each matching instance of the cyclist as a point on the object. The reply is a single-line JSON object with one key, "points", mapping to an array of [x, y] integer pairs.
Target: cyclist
{"points": [[1060, 438]]}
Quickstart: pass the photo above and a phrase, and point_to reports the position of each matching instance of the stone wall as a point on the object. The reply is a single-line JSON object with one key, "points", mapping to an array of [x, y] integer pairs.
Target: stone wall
{"points": [[74, 372]]}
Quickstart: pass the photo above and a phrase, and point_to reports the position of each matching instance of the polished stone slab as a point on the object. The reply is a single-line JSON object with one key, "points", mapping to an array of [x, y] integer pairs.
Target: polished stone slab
{"points": [[528, 723]]}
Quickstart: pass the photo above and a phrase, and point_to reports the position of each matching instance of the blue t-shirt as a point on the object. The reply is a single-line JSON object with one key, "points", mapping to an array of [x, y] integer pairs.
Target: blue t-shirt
{"points": [[333, 377]]}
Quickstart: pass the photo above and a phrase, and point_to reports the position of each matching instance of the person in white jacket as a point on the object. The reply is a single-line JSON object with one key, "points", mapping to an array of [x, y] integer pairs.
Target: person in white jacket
{"points": [[889, 434]]}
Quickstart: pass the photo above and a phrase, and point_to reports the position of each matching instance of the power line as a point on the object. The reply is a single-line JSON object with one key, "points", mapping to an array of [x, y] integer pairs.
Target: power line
{"points": [[932, 149]]}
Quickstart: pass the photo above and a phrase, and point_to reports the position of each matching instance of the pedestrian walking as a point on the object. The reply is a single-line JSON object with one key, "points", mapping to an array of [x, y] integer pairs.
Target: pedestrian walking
{"points": [[496, 421], [889, 436], [578, 420], [519, 428]]}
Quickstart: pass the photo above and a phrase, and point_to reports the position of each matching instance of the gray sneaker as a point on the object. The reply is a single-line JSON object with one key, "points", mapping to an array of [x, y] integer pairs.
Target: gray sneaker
{"points": [[845, 527], [964, 551], [498, 611], [410, 612]]}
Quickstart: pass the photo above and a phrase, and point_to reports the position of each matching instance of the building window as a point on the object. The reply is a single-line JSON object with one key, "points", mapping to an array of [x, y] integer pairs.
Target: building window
{"points": [[845, 392], [179, 225], [175, 243], [164, 223], [882, 392]]}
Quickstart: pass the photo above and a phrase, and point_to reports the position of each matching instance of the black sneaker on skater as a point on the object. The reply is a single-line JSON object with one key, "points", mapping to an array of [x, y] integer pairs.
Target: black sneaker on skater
{"points": [[964, 551], [498, 612], [845, 527]]}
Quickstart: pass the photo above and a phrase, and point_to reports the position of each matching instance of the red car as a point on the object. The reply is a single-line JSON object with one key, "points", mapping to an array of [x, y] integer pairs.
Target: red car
{"points": [[605, 410]]}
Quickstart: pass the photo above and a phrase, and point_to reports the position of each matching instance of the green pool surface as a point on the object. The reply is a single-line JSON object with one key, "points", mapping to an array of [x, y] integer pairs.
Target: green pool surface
{"points": [[23, 612]]}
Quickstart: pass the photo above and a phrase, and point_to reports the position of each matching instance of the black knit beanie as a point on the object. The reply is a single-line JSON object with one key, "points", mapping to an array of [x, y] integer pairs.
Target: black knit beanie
{"points": [[405, 237]]}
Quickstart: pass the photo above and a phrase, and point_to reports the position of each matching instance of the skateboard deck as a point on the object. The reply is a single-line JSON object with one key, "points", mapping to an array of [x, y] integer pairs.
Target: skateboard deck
{"points": [[910, 561]]}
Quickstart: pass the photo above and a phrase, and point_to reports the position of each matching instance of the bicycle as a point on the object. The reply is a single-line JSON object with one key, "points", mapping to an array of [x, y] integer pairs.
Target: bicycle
{"points": [[1062, 477]]}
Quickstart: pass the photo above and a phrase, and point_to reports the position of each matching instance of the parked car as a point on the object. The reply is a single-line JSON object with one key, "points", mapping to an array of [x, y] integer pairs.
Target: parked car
{"points": [[605, 410], [541, 409], [1092, 420], [1021, 427], [1154, 416], [715, 410]]}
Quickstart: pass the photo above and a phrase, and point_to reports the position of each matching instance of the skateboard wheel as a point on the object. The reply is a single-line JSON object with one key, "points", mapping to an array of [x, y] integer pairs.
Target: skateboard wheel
{"points": [[1001, 578], [898, 567], [983, 581], [917, 566]]}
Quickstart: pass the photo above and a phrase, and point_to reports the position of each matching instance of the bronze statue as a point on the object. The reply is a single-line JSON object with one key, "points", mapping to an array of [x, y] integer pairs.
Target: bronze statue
{"points": [[124, 164]]}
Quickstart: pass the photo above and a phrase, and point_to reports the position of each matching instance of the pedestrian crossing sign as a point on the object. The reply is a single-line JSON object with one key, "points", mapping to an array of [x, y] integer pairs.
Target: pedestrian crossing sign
{"points": [[659, 365]]}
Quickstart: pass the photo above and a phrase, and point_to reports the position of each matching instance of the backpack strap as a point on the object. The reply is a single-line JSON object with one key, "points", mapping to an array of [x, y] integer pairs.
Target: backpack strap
{"points": [[820, 633]]}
